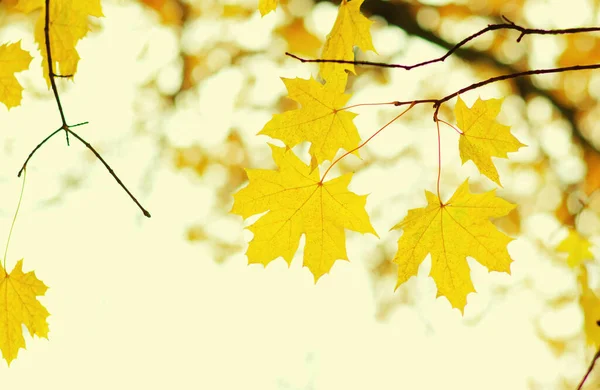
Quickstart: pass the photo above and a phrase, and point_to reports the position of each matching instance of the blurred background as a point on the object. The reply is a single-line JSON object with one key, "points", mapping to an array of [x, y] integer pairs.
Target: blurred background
{"points": [[175, 92]]}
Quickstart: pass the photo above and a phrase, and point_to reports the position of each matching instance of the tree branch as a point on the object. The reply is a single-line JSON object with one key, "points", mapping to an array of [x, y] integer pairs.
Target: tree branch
{"points": [[64, 126], [401, 15], [491, 27], [438, 102]]}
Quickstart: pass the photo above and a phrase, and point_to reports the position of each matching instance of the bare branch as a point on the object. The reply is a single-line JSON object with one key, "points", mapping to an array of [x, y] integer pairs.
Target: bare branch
{"points": [[492, 27], [64, 126]]}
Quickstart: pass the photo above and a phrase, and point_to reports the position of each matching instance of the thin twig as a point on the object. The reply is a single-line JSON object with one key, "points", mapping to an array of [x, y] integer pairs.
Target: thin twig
{"points": [[492, 27], [51, 73], [64, 126], [590, 368], [438, 102], [110, 170]]}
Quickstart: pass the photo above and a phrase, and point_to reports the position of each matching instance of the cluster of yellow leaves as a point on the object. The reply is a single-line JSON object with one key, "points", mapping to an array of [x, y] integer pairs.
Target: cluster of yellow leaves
{"points": [[19, 306], [297, 202], [296, 199], [461, 227]]}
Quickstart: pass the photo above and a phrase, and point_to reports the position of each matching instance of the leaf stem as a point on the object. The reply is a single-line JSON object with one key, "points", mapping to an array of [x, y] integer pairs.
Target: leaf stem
{"points": [[439, 175], [454, 127], [367, 104], [13, 221], [364, 143]]}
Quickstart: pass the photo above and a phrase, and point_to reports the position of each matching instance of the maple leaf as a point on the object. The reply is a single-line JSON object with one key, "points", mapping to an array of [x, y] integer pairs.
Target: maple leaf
{"points": [[19, 306], [319, 121], [577, 247], [350, 29], [452, 231], [590, 303], [266, 6], [13, 59], [298, 203], [482, 136], [68, 24]]}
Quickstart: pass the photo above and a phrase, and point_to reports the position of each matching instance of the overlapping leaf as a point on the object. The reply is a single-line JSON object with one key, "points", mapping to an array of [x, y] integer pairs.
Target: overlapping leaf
{"points": [[483, 137], [452, 231], [350, 29], [298, 203], [266, 6], [577, 247], [319, 121], [69, 22], [13, 59], [19, 306]]}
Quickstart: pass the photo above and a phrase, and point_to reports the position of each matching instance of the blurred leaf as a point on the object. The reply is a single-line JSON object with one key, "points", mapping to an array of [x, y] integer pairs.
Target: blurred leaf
{"points": [[299, 39], [577, 247]]}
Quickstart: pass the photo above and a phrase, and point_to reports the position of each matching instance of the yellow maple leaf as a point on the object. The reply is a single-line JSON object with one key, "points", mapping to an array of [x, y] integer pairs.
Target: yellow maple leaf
{"points": [[13, 59], [350, 29], [298, 203], [452, 231], [590, 304], [68, 24], [19, 306], [482, 136], [577, 247], [320, 120], [266, 6]]}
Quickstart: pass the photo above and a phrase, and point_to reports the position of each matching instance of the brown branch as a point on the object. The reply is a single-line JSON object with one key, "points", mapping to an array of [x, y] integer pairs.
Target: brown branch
{"points": [[438, 102], [114, 175], [402, 15], [51, 74], [492, 27], [64, 126]]}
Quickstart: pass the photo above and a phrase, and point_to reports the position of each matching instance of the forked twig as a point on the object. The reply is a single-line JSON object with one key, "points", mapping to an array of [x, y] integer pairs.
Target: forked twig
{"points": [[64, 126]]}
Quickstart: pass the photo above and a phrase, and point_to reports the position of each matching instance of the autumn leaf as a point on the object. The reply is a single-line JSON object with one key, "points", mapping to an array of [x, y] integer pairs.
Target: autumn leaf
{"points": [[13, 59], [298, 203], [19, 306], [350, 29], [483, 137], [68, 24], [590, 304], [577, 247], [319, 121], [452, 231], [266, 6]]}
